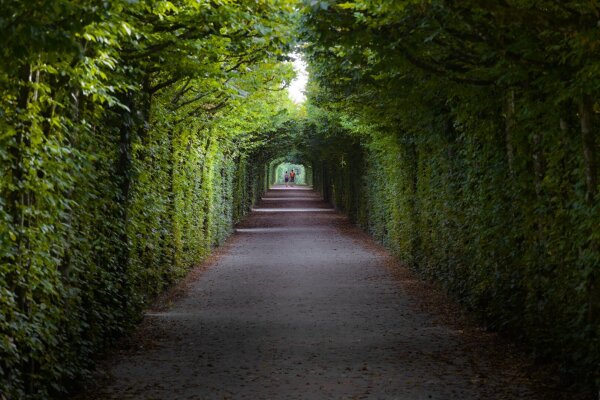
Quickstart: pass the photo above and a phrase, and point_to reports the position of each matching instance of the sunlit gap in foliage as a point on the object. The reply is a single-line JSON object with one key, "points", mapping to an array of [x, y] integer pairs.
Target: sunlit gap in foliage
{"points": [[298, 85]]}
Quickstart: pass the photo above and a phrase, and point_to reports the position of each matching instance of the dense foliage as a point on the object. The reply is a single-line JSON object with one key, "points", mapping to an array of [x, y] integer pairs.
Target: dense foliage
{"points": [[132, 135], [464, 136]]}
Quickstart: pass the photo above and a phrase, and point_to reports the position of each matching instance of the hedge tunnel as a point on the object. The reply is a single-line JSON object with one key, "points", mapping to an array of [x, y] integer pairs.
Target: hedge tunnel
{"points": [[134, 135]]}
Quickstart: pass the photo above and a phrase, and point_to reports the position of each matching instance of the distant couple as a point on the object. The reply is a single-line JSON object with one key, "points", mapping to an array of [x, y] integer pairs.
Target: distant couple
{"points": [[289, 178]]}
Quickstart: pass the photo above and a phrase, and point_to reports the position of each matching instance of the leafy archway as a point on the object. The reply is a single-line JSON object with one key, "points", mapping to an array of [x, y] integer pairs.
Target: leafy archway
{"points": [[287, 167], [293, 160]]}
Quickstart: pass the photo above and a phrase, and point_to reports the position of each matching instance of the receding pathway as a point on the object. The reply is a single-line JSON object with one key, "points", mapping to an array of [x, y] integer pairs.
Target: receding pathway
{"points": [[302, 306]]}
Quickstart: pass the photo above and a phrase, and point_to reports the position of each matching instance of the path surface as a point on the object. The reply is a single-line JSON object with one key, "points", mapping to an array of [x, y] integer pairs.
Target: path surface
{"points": [[302, 306]]}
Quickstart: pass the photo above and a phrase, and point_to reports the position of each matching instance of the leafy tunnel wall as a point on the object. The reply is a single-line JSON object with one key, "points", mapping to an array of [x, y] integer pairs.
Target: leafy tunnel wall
{"points": [[465, 137], [451, 211], [132, 139]]}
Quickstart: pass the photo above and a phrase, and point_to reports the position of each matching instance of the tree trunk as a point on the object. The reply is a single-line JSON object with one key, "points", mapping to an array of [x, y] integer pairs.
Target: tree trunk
{"points": [[509, 114], [325, 182], [539, 163], [588, 139], [135, 121], [589, 147], [16, 154], [415, 239], [123, 179]]}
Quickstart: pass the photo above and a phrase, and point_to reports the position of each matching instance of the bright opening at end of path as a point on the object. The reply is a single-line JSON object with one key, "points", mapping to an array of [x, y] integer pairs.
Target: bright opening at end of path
{"points": [[298, 85]]}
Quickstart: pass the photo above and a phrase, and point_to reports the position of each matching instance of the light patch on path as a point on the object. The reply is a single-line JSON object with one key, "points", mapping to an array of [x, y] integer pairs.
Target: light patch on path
{"points": [[282, 230], [290, 199], [291, 189], [290, 210]]}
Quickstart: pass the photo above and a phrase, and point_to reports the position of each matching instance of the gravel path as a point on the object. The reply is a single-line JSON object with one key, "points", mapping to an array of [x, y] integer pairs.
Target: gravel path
{"points": [[301, 305]]}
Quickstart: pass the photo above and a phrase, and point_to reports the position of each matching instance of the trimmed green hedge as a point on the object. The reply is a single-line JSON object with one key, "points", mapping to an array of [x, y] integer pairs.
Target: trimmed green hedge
{"points": [[465, 136], [447, 205], [132, 137], [85, 279]]}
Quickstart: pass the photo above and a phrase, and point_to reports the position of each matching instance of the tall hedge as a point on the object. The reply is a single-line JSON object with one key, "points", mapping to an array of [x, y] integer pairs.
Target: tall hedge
{"points": [[447, 204], [129, 132], [464, 136]]}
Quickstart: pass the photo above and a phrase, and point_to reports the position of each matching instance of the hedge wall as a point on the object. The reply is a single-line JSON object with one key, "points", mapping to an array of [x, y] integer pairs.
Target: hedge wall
{"points": [[448, 205], [132, 136], [465, 136], [92, 262]]}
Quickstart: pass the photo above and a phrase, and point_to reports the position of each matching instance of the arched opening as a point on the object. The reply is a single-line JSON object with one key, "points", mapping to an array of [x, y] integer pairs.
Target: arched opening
{"points": [[287, 167], [277, 168]]}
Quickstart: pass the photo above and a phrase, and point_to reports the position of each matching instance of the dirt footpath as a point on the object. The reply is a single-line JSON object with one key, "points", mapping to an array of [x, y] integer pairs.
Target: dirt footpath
{"points": [[301, 305]]}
